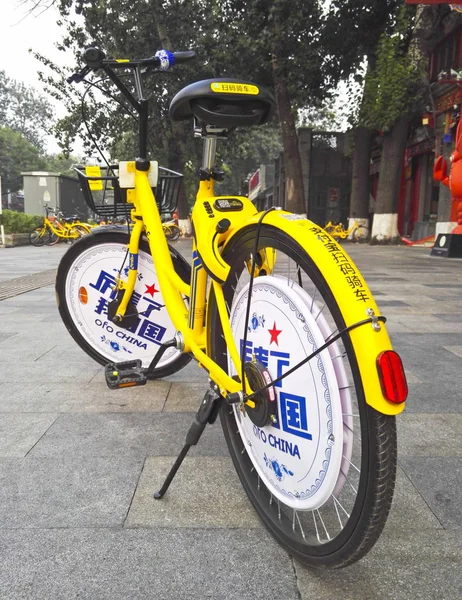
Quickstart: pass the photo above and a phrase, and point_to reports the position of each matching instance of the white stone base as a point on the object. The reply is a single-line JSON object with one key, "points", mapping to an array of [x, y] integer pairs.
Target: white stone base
{"points": [[185, 226], [446, 227], [385, 227]]}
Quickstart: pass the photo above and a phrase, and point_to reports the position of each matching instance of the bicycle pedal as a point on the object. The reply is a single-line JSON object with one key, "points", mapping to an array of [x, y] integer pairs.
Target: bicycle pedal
{"points": [[125, 374]]}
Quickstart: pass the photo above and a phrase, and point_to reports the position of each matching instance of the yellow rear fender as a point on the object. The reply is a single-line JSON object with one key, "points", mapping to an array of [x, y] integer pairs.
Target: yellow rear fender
{"points": [[350, 291]]}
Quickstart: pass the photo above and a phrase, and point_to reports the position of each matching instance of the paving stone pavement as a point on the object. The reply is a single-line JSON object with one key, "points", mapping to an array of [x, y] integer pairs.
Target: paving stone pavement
{"points": [[78, 463]]}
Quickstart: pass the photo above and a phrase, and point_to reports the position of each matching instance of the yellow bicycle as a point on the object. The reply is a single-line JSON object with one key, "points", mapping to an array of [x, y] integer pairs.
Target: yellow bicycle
{"points": [[301, 369], [171, 230], [56, 227], [357, 231]]}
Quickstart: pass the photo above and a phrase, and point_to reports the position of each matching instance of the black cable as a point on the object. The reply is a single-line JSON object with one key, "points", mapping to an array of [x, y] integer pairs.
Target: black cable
{"points": [[249, 299], [128, 111], [91, 84], [315, 353]]}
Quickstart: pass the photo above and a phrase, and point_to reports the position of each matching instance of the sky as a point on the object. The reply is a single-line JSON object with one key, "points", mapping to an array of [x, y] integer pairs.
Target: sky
{"points": [[20, 31]]}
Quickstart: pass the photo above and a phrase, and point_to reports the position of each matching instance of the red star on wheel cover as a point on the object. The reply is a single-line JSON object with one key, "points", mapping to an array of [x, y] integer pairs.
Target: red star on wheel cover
{"points": [[274, 334], [151, 289]]}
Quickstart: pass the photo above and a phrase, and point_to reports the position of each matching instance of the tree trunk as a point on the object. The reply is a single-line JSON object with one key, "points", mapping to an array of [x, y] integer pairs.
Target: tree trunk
{"points": [[385, 226], [177, 161], [359, 202], [293, 166]]}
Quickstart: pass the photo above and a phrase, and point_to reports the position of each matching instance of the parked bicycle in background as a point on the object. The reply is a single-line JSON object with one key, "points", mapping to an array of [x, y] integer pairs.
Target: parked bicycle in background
{"points": [[57, 227]]}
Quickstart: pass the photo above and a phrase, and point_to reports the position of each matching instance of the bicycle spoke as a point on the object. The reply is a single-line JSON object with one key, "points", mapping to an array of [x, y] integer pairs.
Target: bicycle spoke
{"points": [[299, 274], [316, 527], [323, 524], [301, 528], [353, 465], [349, 482], [320, 311], [336, 510]]}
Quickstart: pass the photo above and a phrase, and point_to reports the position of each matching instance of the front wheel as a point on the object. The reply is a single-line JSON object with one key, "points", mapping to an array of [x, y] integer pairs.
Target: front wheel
{"points": [[320, 472], [39, 237], [86, 276]]}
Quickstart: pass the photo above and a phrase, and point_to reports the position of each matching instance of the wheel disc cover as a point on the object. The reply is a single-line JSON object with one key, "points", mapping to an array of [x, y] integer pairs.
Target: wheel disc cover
{"points": [[94, 271], [299, 458]]}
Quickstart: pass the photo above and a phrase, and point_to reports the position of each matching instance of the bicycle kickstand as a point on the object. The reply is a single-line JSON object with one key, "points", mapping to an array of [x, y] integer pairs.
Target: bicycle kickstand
{"points": [[207, 413]]}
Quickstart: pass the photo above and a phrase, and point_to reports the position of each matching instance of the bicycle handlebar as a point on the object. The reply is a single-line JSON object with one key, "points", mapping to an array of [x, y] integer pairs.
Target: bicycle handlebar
{"points": [[95, 59]]}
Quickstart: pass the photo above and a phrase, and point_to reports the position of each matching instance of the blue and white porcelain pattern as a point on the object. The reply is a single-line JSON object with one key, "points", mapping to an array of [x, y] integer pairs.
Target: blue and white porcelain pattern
{"points": [[95, 269], [308, 439]]}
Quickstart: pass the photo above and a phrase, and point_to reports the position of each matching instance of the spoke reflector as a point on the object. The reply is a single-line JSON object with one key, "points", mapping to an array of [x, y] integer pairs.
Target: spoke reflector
{"points": [[392, 377], [83, 295]]}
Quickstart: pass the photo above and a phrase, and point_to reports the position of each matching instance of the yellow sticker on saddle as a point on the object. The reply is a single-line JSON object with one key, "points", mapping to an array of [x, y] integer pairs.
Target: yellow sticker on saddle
{"points": [[94, 171], [234, 88]]}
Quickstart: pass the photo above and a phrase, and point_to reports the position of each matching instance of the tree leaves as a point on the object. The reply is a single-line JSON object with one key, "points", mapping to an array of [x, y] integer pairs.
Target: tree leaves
{"points": [[17, 155], [390, 86], [25, 111]]}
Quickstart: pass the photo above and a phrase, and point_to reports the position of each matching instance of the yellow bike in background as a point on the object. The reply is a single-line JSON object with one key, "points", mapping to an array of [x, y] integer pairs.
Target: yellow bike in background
{"points": [[301, 369], [57, 227], [357, 231], [171, 230]]}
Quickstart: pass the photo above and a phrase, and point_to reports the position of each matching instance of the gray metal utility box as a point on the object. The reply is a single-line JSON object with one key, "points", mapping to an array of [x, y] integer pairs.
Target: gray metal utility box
{"points": [[55, 190]]}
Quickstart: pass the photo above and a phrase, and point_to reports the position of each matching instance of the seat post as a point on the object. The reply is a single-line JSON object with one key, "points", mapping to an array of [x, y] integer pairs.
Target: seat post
{"points": [[209, 153]]}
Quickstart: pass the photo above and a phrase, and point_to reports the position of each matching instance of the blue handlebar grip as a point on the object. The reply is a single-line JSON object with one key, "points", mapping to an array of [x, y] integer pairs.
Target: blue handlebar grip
{"points": [[166, 58]]}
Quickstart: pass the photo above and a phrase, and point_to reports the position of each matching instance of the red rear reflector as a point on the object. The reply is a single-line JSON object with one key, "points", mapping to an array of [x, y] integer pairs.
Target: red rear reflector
{"points": [[392, 377]]}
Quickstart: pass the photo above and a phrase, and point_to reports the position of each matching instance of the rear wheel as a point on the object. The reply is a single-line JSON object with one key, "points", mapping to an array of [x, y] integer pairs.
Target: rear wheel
{"points": [[321, 473], [84, 283], [53, 239]]}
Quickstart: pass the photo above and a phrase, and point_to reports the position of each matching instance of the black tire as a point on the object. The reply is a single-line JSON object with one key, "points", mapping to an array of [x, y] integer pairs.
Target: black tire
{"points": [[39, 237], [99, 243], [374, 439]]}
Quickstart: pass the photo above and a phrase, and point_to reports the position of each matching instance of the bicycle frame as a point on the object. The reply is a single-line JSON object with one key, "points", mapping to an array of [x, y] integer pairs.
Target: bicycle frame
{"points": [[61, 230], [190, 322]]}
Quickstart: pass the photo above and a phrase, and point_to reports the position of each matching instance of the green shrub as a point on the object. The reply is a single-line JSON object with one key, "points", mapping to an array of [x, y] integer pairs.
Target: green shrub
{"points": [[17, 222]]}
